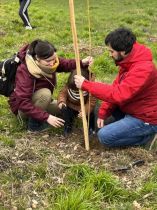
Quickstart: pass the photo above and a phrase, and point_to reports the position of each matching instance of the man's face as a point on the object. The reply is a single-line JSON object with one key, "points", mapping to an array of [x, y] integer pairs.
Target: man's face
{"points": [[116, 56]]}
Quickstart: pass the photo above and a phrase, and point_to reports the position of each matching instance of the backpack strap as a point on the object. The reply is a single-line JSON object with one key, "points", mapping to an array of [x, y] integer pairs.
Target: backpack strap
{"points": [[16, 59], [3, 68]]}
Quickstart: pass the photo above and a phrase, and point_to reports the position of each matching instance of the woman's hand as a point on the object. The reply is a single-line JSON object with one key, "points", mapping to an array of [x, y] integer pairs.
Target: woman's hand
{"points": [[78, 81], [100, 123], [61, 105], [88, 61], [55, 121], [80, 114]]}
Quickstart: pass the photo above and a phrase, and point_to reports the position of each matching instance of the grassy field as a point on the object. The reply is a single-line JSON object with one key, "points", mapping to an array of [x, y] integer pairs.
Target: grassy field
{"points": [[46, 172]]}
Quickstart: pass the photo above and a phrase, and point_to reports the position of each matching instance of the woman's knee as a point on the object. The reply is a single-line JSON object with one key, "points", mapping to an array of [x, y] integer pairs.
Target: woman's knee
{"points": [[42, 97]]}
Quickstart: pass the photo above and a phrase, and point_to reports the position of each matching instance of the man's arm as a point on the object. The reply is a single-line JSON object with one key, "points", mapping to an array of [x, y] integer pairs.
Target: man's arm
{"points": [[117, 93]]}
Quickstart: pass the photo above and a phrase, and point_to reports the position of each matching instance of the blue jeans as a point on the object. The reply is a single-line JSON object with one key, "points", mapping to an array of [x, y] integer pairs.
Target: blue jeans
{"points": [[126, 131]]}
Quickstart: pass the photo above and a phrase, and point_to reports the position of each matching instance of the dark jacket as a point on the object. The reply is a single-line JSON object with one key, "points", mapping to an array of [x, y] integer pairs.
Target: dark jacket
{"points": [[26, 85], [134, 90]]}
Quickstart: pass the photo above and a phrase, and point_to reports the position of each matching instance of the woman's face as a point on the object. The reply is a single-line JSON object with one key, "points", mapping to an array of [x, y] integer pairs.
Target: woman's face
{"points": [[49, 62]]}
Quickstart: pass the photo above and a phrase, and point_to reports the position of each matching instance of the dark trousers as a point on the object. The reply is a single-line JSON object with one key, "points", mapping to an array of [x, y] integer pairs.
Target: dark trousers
{"points": [[24, 4], [70, 114], [117, 114]]}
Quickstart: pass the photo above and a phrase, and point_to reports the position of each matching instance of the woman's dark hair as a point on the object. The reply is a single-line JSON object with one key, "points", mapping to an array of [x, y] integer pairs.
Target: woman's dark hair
{"points": [[121, 39], [71, 83], [41, 49]]}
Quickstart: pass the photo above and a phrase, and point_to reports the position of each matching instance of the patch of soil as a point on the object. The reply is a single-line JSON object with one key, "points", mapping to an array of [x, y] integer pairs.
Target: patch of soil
{"points": [[62, 152], [2, 33], [152, 39], [72, 150], [84, 49]]}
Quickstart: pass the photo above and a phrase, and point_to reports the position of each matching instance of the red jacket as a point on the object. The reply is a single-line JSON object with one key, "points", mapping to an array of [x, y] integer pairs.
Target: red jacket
{"points": [[134, 90], [26, 85]]}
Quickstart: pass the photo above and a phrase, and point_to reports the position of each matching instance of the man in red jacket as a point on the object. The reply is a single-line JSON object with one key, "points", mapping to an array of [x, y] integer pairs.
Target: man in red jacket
{"points": [[133, 93]]}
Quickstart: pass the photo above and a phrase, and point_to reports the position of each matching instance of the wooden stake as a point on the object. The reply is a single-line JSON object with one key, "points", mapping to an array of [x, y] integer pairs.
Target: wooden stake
{"points": [[90, 53], [77, 57]]}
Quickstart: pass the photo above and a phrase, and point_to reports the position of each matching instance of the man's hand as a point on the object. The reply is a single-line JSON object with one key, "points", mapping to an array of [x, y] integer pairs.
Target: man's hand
{"points": [[88, 61], [100, 123], [78, 81], [61, 105], [55, 121]]}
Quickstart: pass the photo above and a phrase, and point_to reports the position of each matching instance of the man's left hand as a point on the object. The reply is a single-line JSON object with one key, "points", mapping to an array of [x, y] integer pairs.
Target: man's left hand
{"points": [[78, 81]]}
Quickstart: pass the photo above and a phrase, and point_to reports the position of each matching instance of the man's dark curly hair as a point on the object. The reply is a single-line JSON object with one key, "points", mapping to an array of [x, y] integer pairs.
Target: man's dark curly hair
{"points": [[121, 39]]}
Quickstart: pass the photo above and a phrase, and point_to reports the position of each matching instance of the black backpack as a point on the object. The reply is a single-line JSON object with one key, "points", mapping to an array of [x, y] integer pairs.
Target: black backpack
{"points": [[8, 70]]}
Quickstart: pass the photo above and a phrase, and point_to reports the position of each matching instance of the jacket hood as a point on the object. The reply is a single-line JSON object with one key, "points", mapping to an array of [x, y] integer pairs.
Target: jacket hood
{"points": [[139, 53], [22, 52]]}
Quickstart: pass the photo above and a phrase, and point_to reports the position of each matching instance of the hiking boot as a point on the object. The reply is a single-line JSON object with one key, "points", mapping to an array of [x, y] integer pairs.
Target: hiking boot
{"points": [[91, 132], [37, 126], [67, 131]]}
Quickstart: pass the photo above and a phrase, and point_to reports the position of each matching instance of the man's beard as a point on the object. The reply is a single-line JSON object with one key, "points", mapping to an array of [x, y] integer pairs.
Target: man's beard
{"points": [[119, 58]]}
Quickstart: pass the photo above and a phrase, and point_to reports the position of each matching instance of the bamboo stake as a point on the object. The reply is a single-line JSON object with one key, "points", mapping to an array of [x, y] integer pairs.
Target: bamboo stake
{"points": [[90, 53], [89, 29], [77, 57]]}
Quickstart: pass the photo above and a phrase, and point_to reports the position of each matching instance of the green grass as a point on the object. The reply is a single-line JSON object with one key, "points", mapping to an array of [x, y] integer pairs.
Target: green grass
{"points": [[6, 140], [26, 172]]}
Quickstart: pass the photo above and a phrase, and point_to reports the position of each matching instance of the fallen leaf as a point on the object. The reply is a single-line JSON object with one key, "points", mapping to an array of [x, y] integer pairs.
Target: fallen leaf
{"points": [[136, 205]]}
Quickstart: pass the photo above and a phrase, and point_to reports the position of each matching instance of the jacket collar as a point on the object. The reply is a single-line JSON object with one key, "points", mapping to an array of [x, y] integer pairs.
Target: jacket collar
{"points": [[139, 53]]}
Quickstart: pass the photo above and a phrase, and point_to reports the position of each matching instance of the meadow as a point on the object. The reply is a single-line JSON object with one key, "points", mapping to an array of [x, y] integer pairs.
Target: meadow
{"points": [[45, 171]]}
